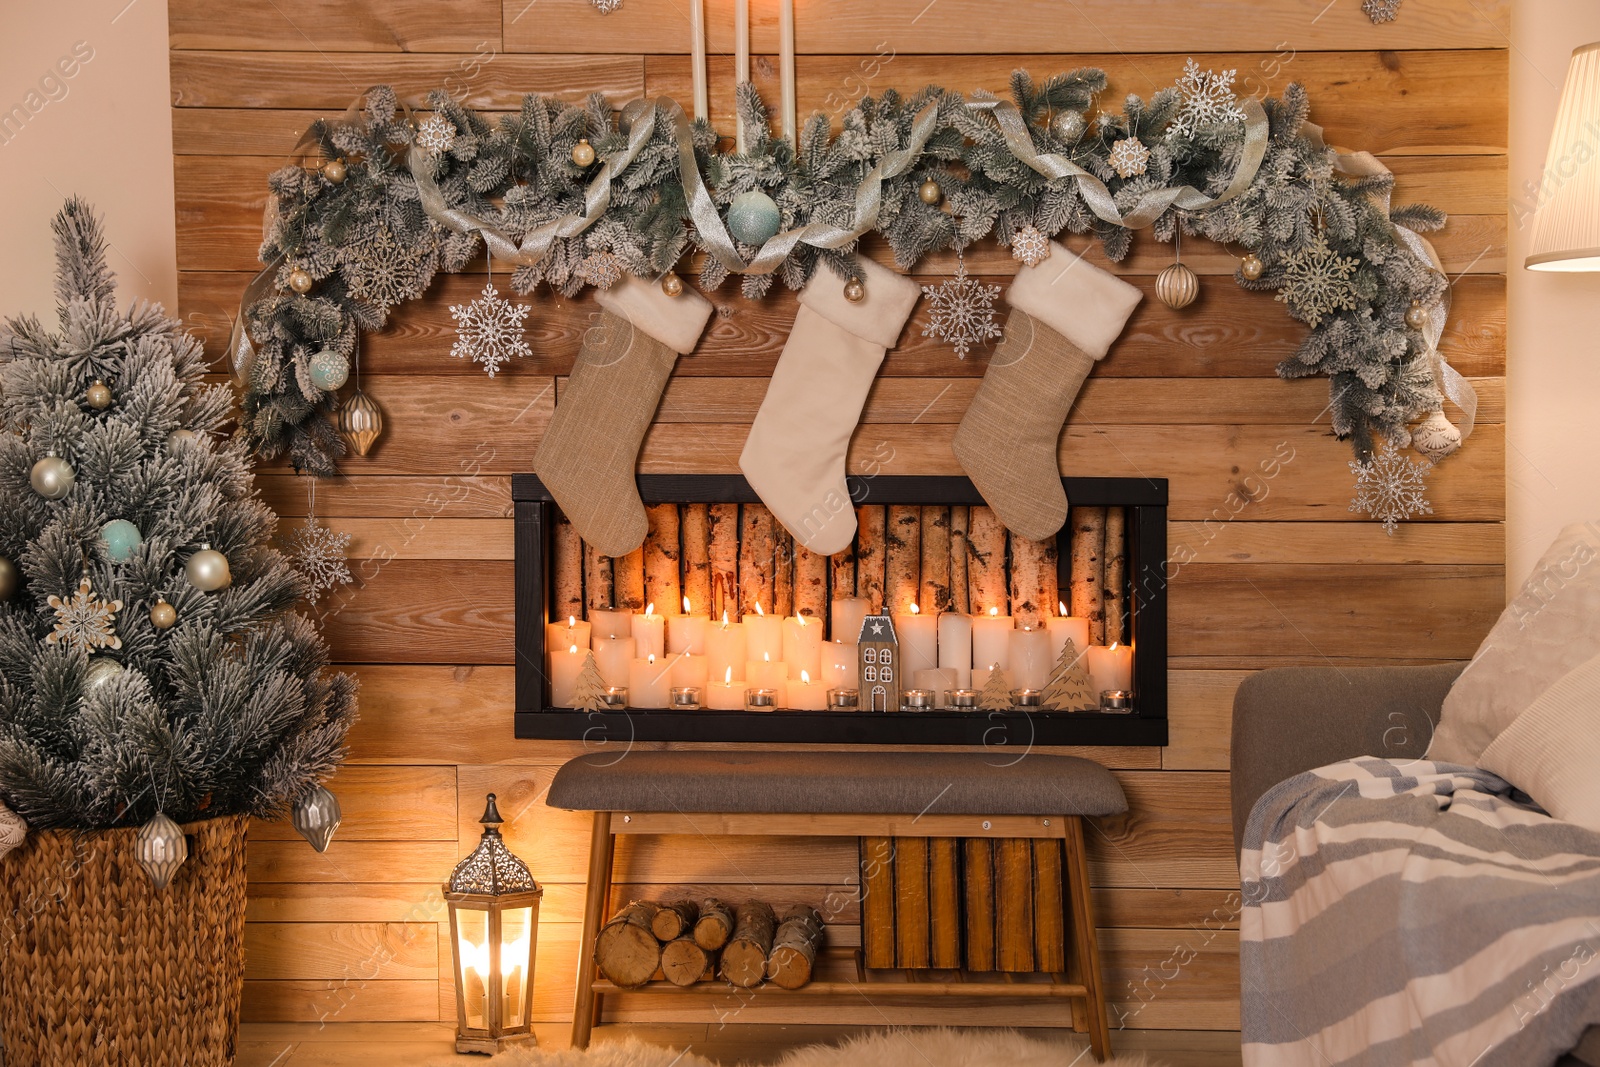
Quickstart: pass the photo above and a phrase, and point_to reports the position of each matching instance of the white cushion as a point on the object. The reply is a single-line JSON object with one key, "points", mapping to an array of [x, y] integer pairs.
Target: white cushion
{"points": [[1551, 627], [1552, 750]]}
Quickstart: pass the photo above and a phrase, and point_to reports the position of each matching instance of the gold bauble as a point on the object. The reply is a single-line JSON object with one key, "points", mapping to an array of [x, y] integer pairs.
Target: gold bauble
{"points": [[300, 281], [360, 422], [163, 615], [9, 579], [52, 477], [1177, 286], [583, 153], [1251, 267], [334, 170], [1416, 315], [672, 285], [930, 192], [101, 670], [98, 395], [854, 291]]}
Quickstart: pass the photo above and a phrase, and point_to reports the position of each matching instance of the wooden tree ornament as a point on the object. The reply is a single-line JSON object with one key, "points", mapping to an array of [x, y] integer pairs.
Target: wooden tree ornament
{"points": [[1069, 688], [589, 689], [996, 695]]}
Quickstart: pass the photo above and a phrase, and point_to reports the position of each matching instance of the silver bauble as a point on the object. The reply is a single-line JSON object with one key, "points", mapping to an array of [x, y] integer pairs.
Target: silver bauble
{"points": [[1435, 437], [52, 477], [12, 829], [316, 816], [207, 570], [9, 579], [101, 670], [180, 437], [1070, 125], [161, 849]]}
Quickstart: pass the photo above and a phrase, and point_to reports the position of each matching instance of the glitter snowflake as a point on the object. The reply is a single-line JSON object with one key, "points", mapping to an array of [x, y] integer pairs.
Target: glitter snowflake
{"points": [[489, 330], [1317, 282], [601, 269], [1129, 157], [383, 272], [1030, 246], [606, 7], [962, 311], [1208, 100], [436, 134], [319, 554], [84, 621], [1381, 10], [1389, 487]]}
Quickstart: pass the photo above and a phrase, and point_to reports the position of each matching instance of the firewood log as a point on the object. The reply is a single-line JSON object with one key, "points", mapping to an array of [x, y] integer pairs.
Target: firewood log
{"points": [[869, 555], [724, 558], [598, 588], [810, 583], [842, 573], [782, 572], [1116, 604], [683, 963], [568, 572], [794, 948], [755, 559], [628, 580], [1033, 581], [662, 586], [902, 558], [674, 919], [715, 925], [744, 958], [935, 594], [696, 535], [626, 951], [960, 596], [1088, 569], [986, 563]]}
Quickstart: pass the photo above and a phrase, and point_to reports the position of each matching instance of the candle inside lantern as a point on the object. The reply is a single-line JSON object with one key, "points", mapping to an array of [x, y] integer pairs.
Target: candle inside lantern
{"points": [[689, 669], [841, 664], [847, 614], [806, 695], [687, 632], [763, 636], [955, 646], [1111, 668], [725, 648], [649, 683], [991, 640], [919, 640], [611, 623], [1028, 662], [649, 633], [802, 646], [726, 695], [1064, 628], [564, 668], [613, 655], [565, 634]]}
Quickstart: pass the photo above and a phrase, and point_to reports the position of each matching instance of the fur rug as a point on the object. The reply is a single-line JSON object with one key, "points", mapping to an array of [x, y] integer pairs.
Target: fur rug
{"points": [[889, 1048]]}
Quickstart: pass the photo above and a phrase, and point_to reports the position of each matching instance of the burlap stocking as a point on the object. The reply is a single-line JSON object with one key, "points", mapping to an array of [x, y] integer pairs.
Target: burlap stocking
{"points": [[1065, 315], [794, 457], [589, 452]]}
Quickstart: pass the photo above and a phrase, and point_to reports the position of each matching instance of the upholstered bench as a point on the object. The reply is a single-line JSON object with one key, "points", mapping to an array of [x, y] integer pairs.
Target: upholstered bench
{"points": [[849, 794]]}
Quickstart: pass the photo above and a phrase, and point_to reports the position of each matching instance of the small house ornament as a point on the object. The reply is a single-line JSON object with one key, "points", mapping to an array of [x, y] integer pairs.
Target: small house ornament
{"points": [[880, 664]]}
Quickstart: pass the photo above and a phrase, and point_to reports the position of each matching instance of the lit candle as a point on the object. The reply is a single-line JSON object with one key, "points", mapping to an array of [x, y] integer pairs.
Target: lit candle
{"points": [[841, 664], [847, 615], [686, 698], [844, 700], [806, 695], [1066, 627], [802, 646], [566, 634], [687, 632], [919, 640], [613, 655], [690, 669], [611, 623], [697, 57], [762, 699], [649, 633], [938, 682], [765, 673], [726, 695], [991, 640], [786, 66], [955, 646], [1028, 662], [741, 57], [649, 683], [725, 648], [1110, 668], [564, 668], [763, 636]]}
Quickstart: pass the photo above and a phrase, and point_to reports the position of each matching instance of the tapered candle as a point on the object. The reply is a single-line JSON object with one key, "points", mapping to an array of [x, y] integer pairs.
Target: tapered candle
{"points": [[613, 655], [726, 695], [763, 636], [841, 664], [689, 669], [955, 647], [697, 51], [919, 640], [687, 632], [786, 66], [571, 631], [804, 694], [649, 633], [847, 615], [802, 646], [1028, 661], [611, 623], [649, 683], [564, 667], [1066, 627], [741, 58], [1110, 668], [725, 649], [991, 640]]}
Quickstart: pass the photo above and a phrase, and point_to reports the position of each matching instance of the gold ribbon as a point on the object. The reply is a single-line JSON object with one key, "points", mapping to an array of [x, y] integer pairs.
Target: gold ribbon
{"points": [[1150, 205]]}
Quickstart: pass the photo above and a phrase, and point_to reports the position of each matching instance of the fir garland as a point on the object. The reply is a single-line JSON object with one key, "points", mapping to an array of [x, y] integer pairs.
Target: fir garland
{"points": [[368, 243]]}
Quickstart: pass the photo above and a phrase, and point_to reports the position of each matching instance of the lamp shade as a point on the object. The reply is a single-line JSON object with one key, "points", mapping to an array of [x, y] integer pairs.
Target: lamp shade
{"points": [[1566, 228]]}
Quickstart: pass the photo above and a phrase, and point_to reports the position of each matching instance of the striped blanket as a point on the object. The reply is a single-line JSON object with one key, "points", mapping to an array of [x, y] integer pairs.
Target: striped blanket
{"points": [[1408, 912]]}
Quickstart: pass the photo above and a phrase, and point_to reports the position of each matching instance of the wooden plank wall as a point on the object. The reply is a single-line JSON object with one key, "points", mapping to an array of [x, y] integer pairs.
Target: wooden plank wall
{"points": [[1268, 570]]}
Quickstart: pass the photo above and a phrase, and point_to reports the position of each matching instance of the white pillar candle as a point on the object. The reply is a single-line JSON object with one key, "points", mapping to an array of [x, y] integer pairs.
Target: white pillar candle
{"points": [[765, 674], [980, 678], [1064, 628], [847, 615], [786, 66], [689, 669], [1110, 668], [938, 682], [649, 633], [806, 694], [763, 636], [841, 665], [687, 632], [955, 642], [1029, 660], [565, 664], [613, 655], [649, 683], [918, 635], [726, 695], [991, 639], [802, 646], [697, 53], [725, 648], [611, 623], [741, 57], [566, 633]]}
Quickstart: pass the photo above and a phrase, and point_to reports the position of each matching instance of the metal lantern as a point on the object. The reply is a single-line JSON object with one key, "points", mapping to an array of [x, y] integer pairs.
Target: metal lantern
{"points": [[494, 930]]}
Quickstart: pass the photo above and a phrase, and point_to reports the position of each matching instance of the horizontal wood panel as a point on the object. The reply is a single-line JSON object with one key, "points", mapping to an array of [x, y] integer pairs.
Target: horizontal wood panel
{"points": [[1177, 833], [414, 498], [352, 861], [1220, 540], [384, 804], [423, 611], [342, 1001], [429, 538], [1199, 721], [362, 26], [357, 902], [341, 950]]}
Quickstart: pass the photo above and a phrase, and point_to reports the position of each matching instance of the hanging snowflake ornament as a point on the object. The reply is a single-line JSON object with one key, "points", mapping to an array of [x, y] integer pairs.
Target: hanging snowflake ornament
{"points": [[84, 621], [381, 271], [1129, 157], [606, 7], [489, 330], [1208, 100], [1390, 486], [436, 135], [1317, 282], [962, 311], [320, 555], [1381, 10], [1030, 246], [601, 269]]}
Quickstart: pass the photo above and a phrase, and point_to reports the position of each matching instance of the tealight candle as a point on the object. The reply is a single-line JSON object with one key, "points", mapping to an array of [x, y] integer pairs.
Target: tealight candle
{"points": [[1115, 701], [689, 669], [1066, 627], [613, 655], [963, 699], [842, 699], [1110, 668], [763, 636], [802, 646], [649, 683], [687, 632], [685, 698], [918, 635], [916, 700], [726, 695], [564, 667], [574, 631], [1028, 664], [955, 646], [760, 699], [848, 613], [615, 698], [1026, 698], [991, 640], [725, 647], [841, 664], [805, 694], [649, 633], [611, 623]]}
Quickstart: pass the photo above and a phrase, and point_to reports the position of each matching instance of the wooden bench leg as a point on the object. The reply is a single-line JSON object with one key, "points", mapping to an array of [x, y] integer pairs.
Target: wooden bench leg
{"points": [[602, 849], [1084, 940]]}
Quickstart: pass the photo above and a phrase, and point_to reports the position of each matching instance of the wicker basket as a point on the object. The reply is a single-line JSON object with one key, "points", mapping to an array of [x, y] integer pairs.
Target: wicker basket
{"points": [[96, 967]]}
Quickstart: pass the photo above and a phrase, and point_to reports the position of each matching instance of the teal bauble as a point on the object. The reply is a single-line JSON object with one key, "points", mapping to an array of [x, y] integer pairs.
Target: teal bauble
{"points": [[122, 539], [753, 218], [329, 370]]}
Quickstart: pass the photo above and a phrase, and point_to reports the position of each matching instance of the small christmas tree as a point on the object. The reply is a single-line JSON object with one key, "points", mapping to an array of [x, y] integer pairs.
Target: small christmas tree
{"points": [[996, 695], [1069, 688], [149, 661], [589, 690]]}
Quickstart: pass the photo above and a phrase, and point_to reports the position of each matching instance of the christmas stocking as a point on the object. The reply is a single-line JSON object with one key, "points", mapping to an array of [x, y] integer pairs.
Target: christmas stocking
{"points": [[794, 457], [1065, 314], [589, 452]]}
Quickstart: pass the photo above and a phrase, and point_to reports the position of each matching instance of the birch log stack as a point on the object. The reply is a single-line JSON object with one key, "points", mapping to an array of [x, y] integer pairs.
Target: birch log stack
{"points": [[869, 555], [1033, 582], [724, 557], [696, 531], [794, 947], [683, 962], [986, 565], [782, 571], [935, 595], [811, 583], [902, 562], [598, 590], [627, 951], [842, 573], [714, 926], [960, 552], [1088, 569], [567, 568], [744, 958], [755, 559], [663, 562], [674, 919], [1116, 555], [628, 581]]}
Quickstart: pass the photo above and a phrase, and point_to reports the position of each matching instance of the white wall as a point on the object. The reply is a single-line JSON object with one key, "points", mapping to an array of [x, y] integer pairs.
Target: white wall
{"points": [[1554, 345], [102, 130]]}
